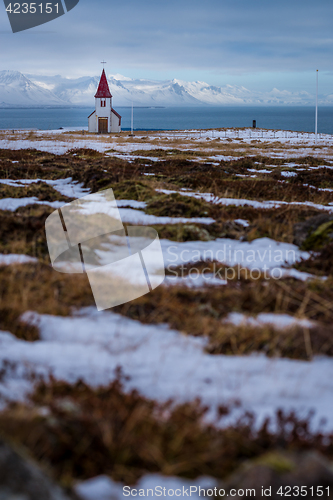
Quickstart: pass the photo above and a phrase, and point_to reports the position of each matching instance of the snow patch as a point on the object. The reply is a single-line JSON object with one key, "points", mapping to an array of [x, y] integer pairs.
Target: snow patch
{"points": [[66, 187], [240, 202], [13, 204], [6, 260], [278, 321], [161, 364]]}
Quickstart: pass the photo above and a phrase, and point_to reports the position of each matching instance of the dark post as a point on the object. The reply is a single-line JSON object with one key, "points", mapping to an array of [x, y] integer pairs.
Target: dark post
{"points": [[254, 124]]}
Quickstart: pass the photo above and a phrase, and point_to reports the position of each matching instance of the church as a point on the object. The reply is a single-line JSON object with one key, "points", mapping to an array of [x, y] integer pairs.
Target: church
{"points": [[104, 119]]}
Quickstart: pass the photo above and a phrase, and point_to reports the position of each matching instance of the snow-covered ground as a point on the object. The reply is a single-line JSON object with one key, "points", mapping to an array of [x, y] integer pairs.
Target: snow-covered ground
{"points": [[162, 363], [265, 255], [275, 258], [279, 321], [128, 215], [262, 253], [131, 216], [8, 259], [13, 204], [283, 144], [239, 202], [66, 187], [72, 189]]}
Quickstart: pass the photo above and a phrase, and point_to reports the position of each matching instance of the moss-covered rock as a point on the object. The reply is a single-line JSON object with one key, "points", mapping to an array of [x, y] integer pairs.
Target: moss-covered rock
{"points": [[278, 471], [277, 461], [314, 233], [20, 478], [320, 237]]}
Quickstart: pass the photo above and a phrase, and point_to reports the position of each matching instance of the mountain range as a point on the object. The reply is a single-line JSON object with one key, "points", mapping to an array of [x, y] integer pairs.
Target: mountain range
{"points": [[28, 90]]}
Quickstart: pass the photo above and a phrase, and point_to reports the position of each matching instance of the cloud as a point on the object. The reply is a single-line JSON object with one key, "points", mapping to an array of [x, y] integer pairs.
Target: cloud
{"points": [[222, 36]]}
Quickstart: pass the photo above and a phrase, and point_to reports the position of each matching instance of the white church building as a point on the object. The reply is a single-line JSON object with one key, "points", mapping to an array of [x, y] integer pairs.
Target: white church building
{"points": [[104, 119]]}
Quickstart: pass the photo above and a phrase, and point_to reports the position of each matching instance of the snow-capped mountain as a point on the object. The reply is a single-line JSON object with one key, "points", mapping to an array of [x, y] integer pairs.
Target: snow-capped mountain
{"points": [[17, 89], [78, 91]]}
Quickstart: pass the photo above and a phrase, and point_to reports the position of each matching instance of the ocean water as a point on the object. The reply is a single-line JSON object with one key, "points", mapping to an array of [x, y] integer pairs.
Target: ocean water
{"points": [[277, 117]]}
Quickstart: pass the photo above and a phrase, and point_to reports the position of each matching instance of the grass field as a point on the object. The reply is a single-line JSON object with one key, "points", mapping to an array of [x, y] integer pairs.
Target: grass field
{"points": [[226, 363]]}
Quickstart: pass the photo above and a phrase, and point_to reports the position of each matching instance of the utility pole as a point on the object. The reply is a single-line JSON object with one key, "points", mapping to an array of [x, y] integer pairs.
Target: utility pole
{"points": [[132, 120], [316, 119]]}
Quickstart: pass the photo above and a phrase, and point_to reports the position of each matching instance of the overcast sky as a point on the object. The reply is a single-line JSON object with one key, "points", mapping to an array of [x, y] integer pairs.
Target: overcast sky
{"points": [[255, 43]]}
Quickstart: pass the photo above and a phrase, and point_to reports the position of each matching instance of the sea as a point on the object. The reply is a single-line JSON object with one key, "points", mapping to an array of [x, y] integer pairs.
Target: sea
{"points": [[295, 118]]}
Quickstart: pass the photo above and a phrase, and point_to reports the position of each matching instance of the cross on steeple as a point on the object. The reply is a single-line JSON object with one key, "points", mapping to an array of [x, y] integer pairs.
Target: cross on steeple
{"points": [[103, 62]]}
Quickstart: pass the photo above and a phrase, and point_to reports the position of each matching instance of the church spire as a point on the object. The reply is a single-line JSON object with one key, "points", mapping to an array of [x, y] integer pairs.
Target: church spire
{"points": [[103, 87]]}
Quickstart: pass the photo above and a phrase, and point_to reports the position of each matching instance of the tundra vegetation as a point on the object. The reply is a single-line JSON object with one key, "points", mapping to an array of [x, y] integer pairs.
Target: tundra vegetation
{"points": [[87, 431]]}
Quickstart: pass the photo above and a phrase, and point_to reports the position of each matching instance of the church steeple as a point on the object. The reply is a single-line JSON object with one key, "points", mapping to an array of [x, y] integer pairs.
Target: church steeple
{"points": [[103, 87], [104, 120]]}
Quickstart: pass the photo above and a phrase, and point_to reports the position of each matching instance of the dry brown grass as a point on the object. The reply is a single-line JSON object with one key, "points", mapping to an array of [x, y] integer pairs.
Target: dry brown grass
{"points": [[199, 312], [128, 182], [320, 263], [38, 287], [80, 432], [254, 189], [277, 223], [296, 342], [196, 312], [23, 232], [97, 171], [40, 190]]}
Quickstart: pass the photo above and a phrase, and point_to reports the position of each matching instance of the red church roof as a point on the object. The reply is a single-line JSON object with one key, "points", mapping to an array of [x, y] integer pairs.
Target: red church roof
{"points": [[103, 87]]}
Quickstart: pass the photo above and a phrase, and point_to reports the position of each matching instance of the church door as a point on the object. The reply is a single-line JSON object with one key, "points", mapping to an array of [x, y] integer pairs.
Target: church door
{"points": [[102, 125]]}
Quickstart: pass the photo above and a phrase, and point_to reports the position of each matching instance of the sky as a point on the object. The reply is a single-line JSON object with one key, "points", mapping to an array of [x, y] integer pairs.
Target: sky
{"points": [[258, 44]]}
